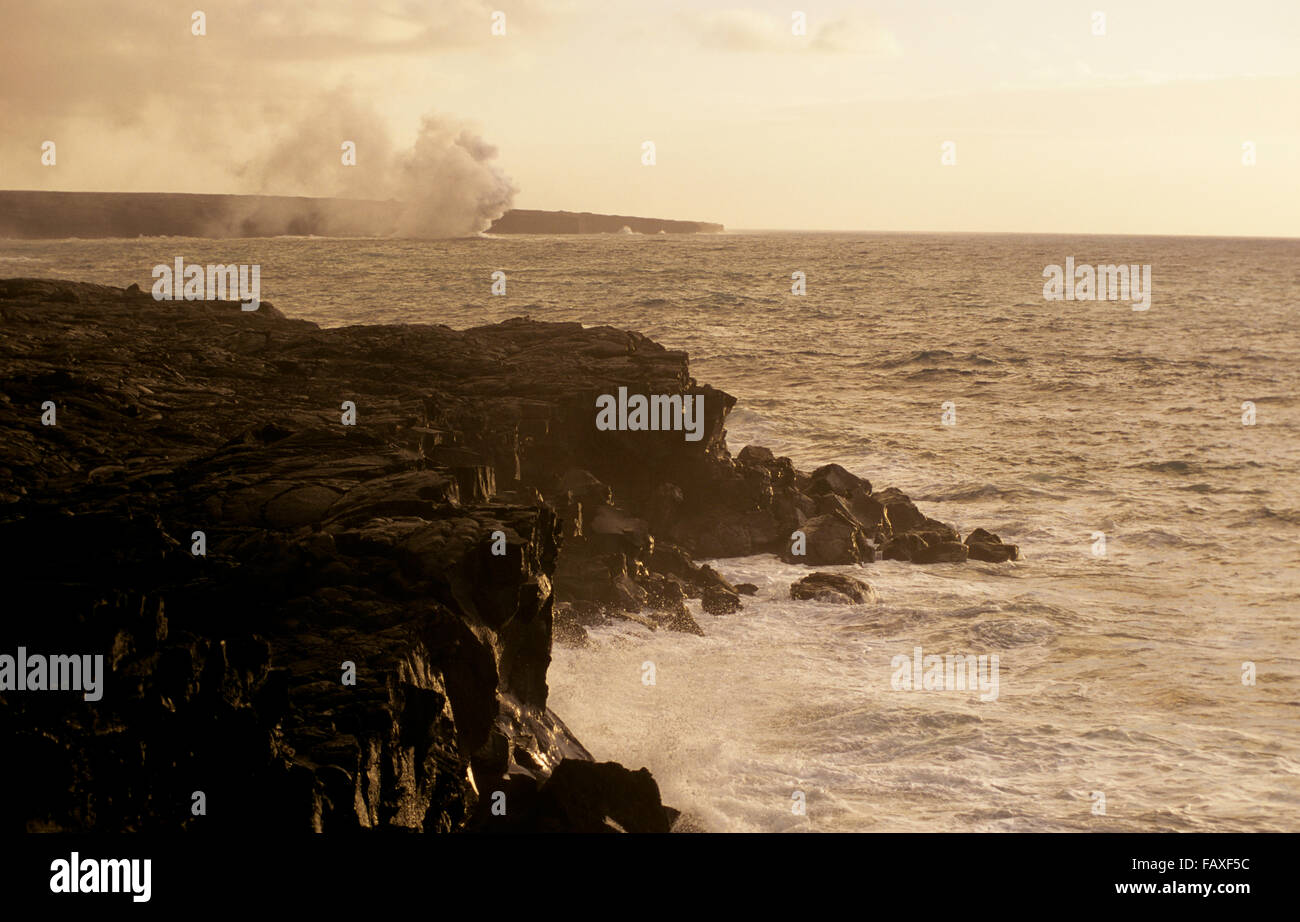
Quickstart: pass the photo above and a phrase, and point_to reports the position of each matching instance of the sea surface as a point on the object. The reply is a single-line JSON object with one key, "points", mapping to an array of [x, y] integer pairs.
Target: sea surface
{"points": [[1121, 703]]}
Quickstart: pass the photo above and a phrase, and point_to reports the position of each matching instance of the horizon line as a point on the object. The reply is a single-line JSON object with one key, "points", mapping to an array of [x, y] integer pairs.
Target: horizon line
{"points": [[991, 233]]}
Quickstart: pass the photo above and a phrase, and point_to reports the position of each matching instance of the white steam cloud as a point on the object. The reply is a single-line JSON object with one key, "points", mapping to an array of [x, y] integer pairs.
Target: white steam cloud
{"points": [[445, 185]]}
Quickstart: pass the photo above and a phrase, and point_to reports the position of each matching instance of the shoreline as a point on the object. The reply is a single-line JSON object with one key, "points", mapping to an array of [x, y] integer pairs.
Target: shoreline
{"points": [[33, 214], [471, 515]]}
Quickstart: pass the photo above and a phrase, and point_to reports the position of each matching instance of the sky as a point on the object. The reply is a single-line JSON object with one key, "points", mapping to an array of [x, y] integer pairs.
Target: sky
{"points": [[1053, 128]]}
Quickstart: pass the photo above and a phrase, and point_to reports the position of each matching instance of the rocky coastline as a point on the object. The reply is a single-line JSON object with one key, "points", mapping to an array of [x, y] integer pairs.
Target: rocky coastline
{"points": [[35, 214], [238, 509]]}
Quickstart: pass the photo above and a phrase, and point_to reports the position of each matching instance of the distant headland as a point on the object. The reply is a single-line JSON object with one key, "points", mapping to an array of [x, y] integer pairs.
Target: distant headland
{"points": [[521, 221], [36, 214]]}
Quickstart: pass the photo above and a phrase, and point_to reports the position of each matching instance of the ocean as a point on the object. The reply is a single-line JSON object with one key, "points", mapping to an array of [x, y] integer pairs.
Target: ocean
{"points": [[1148, 670]]}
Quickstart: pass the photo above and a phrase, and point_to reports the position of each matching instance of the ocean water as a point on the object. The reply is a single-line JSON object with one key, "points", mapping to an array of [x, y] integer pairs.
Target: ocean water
{"points": [[1120, 675]]}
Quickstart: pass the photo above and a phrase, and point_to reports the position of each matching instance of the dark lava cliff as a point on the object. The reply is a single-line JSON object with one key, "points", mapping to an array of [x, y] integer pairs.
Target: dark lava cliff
{"points": [[39, 214], [472, 515]]}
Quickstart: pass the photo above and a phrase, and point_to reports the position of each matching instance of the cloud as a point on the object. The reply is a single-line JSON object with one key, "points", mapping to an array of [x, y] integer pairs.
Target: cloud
{"points": [[855, 36], [743, 30], [753, 31]]}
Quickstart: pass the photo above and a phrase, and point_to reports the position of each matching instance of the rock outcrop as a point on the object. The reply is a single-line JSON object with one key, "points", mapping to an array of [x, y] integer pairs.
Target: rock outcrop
{"points": [[325, 625], [312, 625]]}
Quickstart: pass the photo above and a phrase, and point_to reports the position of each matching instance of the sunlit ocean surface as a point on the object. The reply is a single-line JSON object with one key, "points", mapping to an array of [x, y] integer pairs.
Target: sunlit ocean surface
{"points": [[1120, 676]]}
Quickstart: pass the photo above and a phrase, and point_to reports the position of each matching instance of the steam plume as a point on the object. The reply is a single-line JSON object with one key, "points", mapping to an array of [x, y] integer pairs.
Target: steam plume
{"points": [[445, 185]]}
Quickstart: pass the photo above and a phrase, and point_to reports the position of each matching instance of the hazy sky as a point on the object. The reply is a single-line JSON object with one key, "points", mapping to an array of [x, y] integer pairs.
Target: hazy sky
{"points": [[1056, 129]]}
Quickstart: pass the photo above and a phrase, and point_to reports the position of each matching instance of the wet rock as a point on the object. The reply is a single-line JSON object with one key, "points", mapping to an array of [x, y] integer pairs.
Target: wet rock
{"points": [[711, 578], [756, 455], [902, 513], [868, 510], [628, 595], [986, 546], [832, 504], [667, 557], [904, 547], [680, 621], [588, 797], [718, 601], [833, 587], [831, 539], [666, 593], [935, 531], [831, 478], [567, 629], [942, 552]]}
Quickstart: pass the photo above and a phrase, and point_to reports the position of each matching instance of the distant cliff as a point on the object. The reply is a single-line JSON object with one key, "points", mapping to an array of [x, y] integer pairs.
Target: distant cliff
{"points": [[521, 221], [30, 214], [159, 214]]}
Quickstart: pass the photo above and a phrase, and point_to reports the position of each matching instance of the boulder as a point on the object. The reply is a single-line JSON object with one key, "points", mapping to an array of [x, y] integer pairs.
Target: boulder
{"points": [[903, 547], [935, 531], [831, 478], [601, 797], [986, 546], [866, 509], [665, 592], [832, 539], [833, 587], [942, 552], [901, 512]]}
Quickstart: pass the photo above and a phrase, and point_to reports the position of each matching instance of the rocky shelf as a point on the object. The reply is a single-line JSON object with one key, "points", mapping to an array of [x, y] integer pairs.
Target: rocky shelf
{"points": [[471, 516]]}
